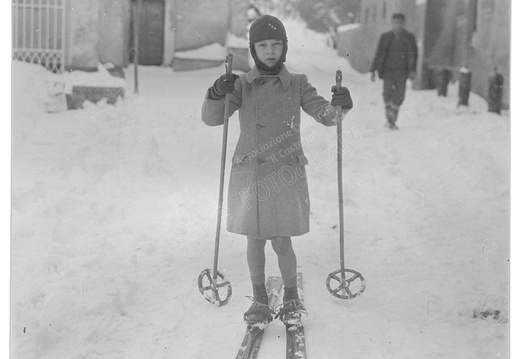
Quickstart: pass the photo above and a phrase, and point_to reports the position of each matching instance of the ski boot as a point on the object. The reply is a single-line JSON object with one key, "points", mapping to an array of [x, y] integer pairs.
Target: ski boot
{"points": [[259, 312], [290, 311]]}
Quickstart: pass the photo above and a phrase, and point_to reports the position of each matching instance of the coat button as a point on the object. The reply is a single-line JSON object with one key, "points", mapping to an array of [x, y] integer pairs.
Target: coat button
{"points": [[261, 82]]}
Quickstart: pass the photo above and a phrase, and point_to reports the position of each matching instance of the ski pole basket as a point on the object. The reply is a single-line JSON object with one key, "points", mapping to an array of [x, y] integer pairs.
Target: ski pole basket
{"points": [[339, 282], [216, 291]]}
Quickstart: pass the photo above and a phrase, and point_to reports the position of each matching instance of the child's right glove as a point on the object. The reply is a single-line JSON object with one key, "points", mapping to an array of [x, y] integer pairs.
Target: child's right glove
{"points": [[225, 84], [341, 97]]}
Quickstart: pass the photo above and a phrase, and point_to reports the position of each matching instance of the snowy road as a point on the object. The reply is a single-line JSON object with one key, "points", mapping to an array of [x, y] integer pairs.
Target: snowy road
{"points": [[114, 211]]}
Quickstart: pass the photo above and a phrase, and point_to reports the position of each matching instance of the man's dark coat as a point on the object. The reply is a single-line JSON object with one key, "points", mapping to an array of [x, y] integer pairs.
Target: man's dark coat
{"points": [[408, 59]]}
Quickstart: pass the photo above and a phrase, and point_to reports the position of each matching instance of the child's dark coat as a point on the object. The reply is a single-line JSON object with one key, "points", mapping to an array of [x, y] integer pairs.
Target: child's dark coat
{"points": [[268, 194]]}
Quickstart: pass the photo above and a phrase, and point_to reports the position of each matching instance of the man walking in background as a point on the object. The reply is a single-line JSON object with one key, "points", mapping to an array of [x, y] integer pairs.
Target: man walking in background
{"points": [[395, 61]]}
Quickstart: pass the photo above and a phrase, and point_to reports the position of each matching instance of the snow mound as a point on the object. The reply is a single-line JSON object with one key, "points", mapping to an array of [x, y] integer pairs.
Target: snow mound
{"points": [[31, 84], [238, 42], [299, 36], [100, 78], [213, 52], [309, 51], [35, 89], [348, 27]]}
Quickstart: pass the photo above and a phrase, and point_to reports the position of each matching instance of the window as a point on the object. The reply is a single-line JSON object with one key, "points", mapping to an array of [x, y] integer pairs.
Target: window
{"points": [[383, 15]]}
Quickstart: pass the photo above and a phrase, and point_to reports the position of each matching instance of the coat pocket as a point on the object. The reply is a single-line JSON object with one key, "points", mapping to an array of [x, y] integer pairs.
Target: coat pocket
{"points": [[301, 174], [240, 171]]}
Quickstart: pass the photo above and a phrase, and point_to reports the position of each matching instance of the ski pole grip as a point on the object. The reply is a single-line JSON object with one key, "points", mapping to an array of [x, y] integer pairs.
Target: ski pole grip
{"points": [[339, 77], [229, 63]]}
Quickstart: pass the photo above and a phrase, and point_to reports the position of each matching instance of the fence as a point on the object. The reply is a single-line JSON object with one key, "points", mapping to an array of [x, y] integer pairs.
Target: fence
{"points": [[39, 32]]}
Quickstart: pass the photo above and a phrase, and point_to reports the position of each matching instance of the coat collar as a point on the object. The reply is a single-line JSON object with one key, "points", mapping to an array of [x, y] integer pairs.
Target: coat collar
{"points": [[284, 76]]}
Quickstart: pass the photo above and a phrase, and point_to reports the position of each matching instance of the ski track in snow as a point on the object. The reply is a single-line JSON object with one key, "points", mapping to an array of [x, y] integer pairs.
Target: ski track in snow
{"points": [[114, 211]]}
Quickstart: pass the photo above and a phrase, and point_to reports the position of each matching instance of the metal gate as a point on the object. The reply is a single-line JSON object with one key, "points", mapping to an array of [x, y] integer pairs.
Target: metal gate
{"points": [[39, 32]]}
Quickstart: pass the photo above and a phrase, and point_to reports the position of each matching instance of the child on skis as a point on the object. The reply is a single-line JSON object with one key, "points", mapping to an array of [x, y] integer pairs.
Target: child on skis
{"points": [[268, 198]]}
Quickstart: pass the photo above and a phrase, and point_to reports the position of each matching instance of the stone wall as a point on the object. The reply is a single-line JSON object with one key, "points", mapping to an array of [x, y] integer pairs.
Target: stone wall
{"points": [[359, 44], [97, 31], [450, 34], [114, 30], [200, 23], [83, 36], [492, 47], [239, 21]]}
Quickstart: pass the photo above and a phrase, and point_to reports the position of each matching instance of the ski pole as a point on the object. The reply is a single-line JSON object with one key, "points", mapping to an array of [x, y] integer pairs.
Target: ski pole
{"points": [[339, 136], [343, 290], [214, 275]]}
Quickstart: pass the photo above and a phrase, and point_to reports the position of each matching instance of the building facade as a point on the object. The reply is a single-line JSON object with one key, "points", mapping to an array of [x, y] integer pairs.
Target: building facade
{"points": [[451, 34], [79, 34]]}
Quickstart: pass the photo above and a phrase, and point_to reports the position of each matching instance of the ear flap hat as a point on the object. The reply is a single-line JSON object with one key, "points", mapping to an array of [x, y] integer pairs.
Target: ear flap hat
{"points": [[267, 27]]}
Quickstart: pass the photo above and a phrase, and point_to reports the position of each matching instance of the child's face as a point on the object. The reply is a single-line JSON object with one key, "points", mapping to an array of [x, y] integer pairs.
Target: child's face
{"points": [[269, 51]]}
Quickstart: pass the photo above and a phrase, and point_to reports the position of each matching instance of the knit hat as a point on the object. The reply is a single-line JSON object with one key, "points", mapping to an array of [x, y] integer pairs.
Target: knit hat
{"points": [[267, 27]]}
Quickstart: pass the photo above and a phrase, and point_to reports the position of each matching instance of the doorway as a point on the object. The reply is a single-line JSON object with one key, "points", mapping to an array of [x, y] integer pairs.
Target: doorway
{"points": [[151, 33]]}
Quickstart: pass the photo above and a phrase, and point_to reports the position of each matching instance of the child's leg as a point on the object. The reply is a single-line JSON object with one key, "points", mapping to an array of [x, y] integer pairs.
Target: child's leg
{"points": [[259, 311], [256, 259], [286, 260]]}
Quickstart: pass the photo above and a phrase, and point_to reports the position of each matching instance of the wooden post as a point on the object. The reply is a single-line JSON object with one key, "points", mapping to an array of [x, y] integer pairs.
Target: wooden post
{"points": [[464, 86], [442, 81], [136, 7], [495, 91]]}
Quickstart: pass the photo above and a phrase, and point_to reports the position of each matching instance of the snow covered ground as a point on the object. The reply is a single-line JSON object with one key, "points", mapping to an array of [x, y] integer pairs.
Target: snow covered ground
{"points": [[114, 211]]}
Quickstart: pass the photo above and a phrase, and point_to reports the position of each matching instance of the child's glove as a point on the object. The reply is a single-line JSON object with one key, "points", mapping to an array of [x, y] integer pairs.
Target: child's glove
{"points": [[225, 84], [341, 97]]}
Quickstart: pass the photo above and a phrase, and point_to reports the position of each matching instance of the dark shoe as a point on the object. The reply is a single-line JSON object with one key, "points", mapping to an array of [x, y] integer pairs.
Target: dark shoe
{"points": [[259, 311], [291, 309]]}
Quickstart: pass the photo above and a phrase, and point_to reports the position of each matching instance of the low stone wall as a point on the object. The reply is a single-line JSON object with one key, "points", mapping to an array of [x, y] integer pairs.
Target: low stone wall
{"points": [[80, 94]]}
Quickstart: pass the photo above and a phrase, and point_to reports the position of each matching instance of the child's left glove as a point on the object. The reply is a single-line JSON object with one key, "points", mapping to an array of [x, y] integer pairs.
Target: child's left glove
{"points": [[341, 97], [225, 84]]}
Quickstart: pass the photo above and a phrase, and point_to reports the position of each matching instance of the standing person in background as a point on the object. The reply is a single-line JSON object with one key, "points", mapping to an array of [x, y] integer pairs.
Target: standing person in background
{"points": [[395, 61]]}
